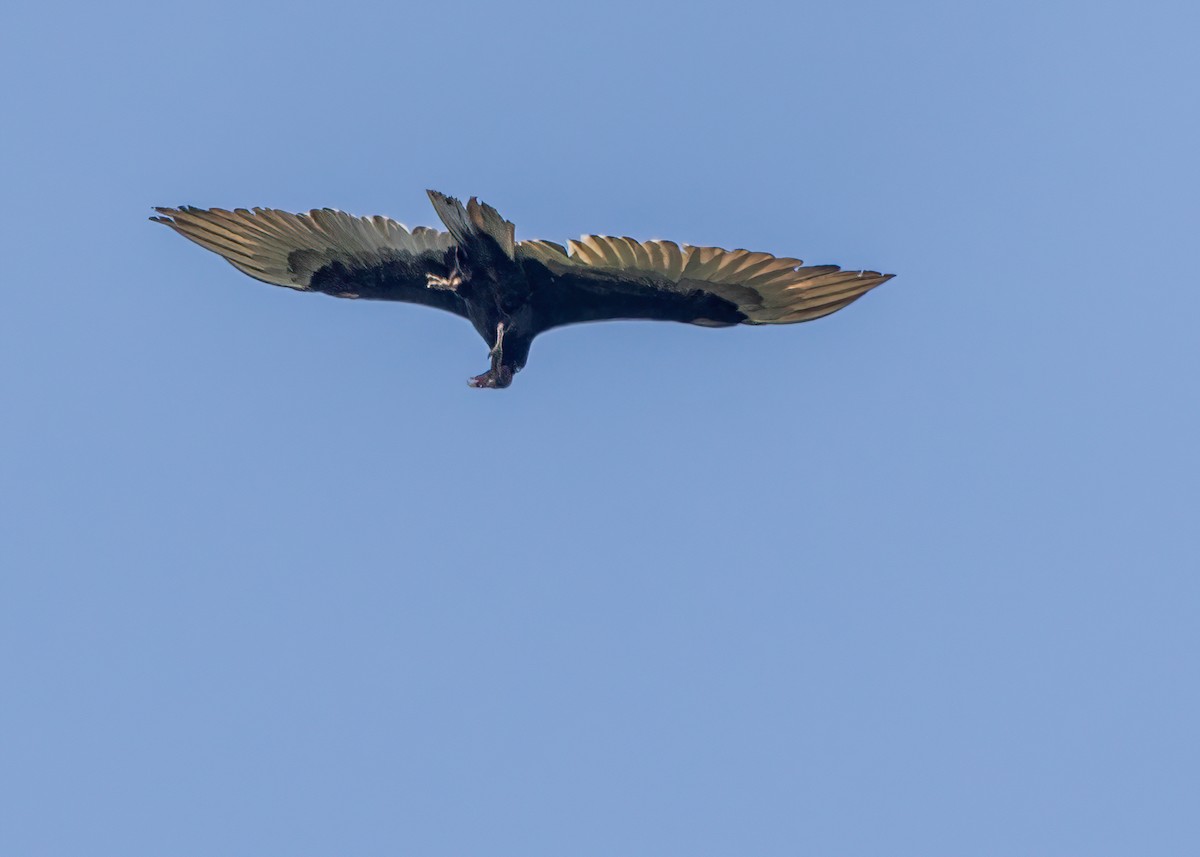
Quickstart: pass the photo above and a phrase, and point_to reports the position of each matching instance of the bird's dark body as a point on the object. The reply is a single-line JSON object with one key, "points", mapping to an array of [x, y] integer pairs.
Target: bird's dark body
{"points": [[522, 297], [512, 291]]}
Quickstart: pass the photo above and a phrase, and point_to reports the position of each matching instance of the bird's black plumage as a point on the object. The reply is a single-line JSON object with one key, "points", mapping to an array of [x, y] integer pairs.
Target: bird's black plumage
{"points": [[511, 291]]}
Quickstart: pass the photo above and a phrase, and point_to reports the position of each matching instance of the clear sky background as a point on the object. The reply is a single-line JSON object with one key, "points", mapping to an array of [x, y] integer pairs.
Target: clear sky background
{"points": [[921, 578]]}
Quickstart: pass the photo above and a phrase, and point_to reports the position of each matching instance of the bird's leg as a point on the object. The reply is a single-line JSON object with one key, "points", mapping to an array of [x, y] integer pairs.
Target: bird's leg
{"points": [[497, 352], [499, 376]]}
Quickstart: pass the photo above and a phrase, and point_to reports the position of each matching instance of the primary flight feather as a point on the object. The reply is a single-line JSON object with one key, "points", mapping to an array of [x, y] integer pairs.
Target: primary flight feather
{"points": [[513, 290]]}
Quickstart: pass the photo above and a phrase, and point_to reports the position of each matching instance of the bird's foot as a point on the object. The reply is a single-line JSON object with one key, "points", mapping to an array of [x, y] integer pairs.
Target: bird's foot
{"points": [[496, 378], [448, 284], [499, 376]]}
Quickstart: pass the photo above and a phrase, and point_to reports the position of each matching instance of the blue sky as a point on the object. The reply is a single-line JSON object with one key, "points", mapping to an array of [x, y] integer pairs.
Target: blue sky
{"points": [[919, 578]]}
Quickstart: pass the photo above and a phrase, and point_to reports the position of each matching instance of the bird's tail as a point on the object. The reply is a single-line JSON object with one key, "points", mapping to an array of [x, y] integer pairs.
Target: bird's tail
{"points": [[468, 223]]}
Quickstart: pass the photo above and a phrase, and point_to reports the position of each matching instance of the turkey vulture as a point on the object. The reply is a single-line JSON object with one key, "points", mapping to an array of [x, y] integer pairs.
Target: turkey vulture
{"points": [[513, 290]]}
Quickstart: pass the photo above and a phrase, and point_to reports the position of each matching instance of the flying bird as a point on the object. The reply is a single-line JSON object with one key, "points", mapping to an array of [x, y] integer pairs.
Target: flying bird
{"points": [[513, 290]]}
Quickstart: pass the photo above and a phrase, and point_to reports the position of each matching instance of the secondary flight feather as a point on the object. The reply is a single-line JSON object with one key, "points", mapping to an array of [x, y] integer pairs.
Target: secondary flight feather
{"points": [[513, 290]]}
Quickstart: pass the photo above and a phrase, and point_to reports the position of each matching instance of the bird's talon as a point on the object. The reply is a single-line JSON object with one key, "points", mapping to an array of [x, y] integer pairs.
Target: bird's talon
{"points": [[451, 283], [493, 379]]}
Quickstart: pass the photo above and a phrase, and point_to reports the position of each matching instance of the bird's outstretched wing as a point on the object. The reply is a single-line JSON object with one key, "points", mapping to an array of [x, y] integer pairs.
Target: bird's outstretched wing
{"points": [[324, 251], [600, 277]]}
